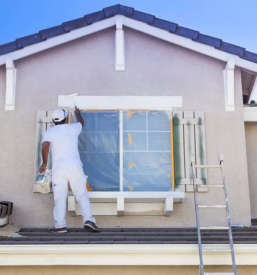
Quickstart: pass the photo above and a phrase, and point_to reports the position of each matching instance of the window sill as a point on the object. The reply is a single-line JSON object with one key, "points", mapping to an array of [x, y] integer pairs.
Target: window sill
{"points": [[129, 203]]}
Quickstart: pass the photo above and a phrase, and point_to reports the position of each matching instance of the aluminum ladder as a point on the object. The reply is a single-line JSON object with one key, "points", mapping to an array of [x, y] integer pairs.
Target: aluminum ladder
{"points": [[197, 207]]}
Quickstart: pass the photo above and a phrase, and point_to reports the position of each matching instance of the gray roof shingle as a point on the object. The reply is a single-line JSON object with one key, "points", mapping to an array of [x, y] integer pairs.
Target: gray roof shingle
{"points": [[74, 24], [136, 15], [131, 236]]}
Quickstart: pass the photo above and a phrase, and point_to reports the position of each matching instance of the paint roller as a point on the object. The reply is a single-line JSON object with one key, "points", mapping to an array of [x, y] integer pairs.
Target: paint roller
{"points": [[72, 98]]}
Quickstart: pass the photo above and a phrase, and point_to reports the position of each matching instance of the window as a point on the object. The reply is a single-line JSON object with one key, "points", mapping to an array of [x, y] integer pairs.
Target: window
{"points": [[126, 150]]}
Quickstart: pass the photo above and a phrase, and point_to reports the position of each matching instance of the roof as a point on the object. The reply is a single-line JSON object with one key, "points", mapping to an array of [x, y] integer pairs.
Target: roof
{"points": [[133, 14], [28, 236]]}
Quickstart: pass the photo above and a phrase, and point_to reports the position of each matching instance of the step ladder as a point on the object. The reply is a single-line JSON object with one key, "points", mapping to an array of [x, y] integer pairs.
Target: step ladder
{"points": [[197, 207]]}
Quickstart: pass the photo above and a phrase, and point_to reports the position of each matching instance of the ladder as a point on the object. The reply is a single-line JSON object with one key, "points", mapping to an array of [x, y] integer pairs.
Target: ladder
{"points": [[197, 207]]}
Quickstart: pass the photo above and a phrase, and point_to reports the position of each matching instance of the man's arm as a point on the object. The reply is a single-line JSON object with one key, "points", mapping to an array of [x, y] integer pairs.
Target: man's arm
{"points": [[45, 152], [78, 116]]}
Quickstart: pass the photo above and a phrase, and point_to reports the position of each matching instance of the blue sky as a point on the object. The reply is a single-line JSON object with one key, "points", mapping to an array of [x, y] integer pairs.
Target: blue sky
{"points": [[234, 21]]}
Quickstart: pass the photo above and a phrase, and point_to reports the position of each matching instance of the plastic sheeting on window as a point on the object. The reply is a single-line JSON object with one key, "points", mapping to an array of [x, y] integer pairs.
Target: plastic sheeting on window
{"points": [[146, 150]]}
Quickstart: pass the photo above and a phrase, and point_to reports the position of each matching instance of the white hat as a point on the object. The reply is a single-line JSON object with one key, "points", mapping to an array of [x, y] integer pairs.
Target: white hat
{"points": [[59, 115]]}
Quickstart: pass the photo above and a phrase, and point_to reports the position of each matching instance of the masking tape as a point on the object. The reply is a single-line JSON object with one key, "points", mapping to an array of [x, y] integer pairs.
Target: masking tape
{"points": [[130, 113], [130, 138], [88, 187]]}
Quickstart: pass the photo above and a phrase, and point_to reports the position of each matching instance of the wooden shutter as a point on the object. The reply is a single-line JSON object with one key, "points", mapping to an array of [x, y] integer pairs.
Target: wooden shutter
{"points": [[43, 122], [188, 138]]}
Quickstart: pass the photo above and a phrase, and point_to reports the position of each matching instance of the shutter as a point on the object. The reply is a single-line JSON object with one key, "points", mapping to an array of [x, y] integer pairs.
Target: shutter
{"points": [[188, 138], [43, 122]]}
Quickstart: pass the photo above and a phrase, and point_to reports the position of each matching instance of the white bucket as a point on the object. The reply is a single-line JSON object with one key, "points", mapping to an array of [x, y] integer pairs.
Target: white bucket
{"points": [[43, 183]]}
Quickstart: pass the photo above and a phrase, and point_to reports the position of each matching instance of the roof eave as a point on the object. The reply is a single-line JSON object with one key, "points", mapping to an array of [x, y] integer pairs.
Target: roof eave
{"points": [[139, 26]]}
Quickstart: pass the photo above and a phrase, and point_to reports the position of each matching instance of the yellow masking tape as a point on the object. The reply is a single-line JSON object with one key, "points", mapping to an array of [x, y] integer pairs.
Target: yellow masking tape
{"points": [[88, 187], [130, 138], [130, 113], [132, 164]]}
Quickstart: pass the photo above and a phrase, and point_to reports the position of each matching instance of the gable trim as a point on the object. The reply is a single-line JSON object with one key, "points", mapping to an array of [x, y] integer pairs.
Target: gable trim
{"points": [[136, 25], [58, 40]]}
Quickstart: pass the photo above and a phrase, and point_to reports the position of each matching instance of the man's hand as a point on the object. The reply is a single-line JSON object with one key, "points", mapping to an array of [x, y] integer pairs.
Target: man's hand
{"points": [[78, 116], [42, 168], [77, 111]]}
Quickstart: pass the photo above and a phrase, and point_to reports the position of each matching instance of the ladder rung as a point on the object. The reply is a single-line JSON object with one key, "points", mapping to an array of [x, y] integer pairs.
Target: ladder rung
{"points": [[214, 227], [215, 250], [215, 273], [207, 166], [210, 186], [211, 206]]}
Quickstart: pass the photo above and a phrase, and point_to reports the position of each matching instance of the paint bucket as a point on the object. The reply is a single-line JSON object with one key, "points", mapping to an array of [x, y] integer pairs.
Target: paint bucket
{"points": [[43, 183]]}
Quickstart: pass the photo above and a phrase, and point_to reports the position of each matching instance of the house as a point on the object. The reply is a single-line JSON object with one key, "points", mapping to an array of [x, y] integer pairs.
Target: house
{"points": [[152, 93]]}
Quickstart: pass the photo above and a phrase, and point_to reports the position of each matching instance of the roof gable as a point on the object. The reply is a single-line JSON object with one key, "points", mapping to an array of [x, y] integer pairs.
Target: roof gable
{"points": [[133, 14]]}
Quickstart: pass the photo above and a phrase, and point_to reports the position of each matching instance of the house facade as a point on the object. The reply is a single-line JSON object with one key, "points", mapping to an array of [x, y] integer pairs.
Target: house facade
{"points": [[153, 93]]}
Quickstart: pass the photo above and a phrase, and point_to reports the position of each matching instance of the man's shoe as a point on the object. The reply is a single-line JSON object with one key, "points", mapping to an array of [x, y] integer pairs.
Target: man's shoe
{"points": [[58, 230], [91, 226]]}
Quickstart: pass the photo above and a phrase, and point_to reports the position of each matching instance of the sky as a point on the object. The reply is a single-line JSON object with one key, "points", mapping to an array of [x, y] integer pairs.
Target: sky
{"points": [[234, 21]]}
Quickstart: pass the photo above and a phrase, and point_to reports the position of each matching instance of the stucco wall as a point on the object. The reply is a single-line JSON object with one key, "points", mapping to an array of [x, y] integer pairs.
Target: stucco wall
{"points": [[251, 147], [153, 67], [124, 270]]}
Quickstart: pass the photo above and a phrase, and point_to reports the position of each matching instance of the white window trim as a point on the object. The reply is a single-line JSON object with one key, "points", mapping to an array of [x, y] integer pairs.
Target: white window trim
{"points": [[120, 198], [121, 102], [125, 255]]}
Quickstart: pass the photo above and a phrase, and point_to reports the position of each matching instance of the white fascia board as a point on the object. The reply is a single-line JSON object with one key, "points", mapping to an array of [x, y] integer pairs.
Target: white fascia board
{"points": [[58, 40], [121, 102], [139, 26], [125, 254]]}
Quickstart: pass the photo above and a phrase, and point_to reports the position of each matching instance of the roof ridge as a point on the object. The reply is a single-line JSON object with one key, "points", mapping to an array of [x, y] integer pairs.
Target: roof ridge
{"points": [[130, 12]]}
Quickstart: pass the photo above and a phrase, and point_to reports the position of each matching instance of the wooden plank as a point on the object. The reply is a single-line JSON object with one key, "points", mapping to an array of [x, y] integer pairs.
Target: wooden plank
{"points": [[189, 137], [200, 150], [178, 141]]}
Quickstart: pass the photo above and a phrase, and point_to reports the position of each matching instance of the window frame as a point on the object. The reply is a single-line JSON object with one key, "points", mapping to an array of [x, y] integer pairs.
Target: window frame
{"points": [[160, 103], [121, 147]]}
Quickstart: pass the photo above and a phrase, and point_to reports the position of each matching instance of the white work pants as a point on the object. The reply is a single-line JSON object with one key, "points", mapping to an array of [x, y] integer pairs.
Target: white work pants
{"points": [[73, 174]]}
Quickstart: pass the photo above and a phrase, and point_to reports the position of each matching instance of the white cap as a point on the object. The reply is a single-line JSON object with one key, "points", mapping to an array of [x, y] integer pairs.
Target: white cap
{"points": [[59, 115]]}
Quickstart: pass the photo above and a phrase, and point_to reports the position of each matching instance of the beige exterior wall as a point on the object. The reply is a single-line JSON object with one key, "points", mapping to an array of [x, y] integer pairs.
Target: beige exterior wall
{"points": [[124, 270], [153, 67], [251, 147]]}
